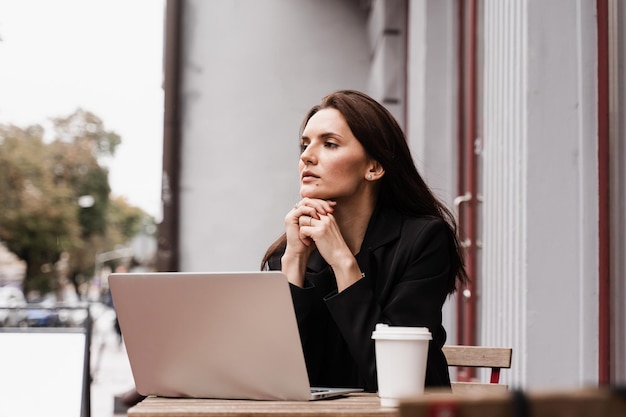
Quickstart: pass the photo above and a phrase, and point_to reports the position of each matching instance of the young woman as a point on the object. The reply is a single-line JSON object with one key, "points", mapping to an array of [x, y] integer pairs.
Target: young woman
{"points": [[368, 243]]}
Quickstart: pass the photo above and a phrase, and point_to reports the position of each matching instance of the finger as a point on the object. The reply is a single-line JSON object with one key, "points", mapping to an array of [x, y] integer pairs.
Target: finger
{"points": [[320, 206], [306, 240], [306, 211], [305, 221]]}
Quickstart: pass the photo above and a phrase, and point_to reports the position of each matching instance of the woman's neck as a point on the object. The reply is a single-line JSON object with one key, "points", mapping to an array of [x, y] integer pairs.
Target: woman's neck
{"points": [[352, 218]]}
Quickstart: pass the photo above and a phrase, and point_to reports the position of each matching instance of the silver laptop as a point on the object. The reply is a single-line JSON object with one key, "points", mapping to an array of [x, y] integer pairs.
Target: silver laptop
{"points": [[213, 335]]}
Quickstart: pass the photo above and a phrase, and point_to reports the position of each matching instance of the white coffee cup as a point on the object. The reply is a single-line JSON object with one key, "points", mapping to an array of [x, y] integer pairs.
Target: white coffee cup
{"points": [[401, 355]]}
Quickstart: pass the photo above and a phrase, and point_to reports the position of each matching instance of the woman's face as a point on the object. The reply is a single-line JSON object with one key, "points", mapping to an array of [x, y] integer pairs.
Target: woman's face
{"points": [[333, 164]]}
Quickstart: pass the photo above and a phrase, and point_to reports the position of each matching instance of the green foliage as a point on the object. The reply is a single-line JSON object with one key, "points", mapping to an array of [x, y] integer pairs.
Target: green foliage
{"points": [[127, 220], [86, 130], [54, 198]]}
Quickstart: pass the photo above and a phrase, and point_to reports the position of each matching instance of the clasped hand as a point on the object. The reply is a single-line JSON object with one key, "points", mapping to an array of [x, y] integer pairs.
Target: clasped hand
{"points": [[311, 224]]}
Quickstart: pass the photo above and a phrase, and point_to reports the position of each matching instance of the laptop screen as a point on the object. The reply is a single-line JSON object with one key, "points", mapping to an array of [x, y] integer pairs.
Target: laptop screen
{"points": [[211, 335]]}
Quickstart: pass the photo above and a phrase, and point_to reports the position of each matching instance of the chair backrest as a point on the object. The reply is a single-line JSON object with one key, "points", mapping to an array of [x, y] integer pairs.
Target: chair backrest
{"points": [[495, 358]]}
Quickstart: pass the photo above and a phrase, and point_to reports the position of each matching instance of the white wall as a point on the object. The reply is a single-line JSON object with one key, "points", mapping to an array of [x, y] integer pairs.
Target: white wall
{"points": [[251, 70], [387, 34], [432, 91], [431, 125]]}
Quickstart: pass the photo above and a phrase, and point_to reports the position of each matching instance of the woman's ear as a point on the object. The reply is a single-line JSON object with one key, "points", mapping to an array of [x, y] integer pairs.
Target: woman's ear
{"points": [[375, 172]]}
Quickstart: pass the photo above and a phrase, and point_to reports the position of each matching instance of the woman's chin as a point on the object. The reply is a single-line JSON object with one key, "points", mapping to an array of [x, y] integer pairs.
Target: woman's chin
{"points": [[312, 194]]}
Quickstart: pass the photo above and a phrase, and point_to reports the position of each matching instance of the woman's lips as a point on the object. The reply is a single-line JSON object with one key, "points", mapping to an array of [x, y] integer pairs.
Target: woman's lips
{"points": [[308, 176]]}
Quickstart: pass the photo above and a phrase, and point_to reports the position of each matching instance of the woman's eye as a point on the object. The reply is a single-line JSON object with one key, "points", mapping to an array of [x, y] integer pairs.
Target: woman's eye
{"points": [[330, 145], [302, 147]]}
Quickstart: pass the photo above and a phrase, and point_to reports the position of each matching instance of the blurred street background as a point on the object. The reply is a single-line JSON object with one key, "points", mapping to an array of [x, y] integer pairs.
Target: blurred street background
{"points": [[110, 368], [43, 356]]}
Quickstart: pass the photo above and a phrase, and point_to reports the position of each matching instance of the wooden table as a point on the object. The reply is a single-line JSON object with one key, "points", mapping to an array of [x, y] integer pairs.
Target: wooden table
{"points": [[352, 405], [587, 402]]}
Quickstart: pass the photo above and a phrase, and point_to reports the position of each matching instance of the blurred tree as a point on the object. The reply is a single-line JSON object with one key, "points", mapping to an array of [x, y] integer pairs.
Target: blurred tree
{"points": [[125, 220], [37, 220], [55, 198]]}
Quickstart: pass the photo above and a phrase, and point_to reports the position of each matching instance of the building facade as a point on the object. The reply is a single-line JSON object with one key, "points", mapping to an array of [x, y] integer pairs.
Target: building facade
{"points": [[512, 111]]}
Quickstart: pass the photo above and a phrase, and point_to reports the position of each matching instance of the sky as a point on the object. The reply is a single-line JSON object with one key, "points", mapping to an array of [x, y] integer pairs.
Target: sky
{"points": [[104, 56]]}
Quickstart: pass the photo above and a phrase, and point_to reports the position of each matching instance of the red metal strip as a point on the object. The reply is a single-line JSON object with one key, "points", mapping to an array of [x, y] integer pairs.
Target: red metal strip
{"points": [[470, 221], [466, 180], [495, 376], [604, 236]]}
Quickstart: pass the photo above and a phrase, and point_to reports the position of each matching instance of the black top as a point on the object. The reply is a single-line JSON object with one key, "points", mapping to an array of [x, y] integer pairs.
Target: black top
{"points": [[406, 261]]}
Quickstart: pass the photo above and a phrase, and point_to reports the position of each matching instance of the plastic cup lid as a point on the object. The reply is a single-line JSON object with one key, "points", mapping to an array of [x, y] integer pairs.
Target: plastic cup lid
{"points": [[384, 331]]}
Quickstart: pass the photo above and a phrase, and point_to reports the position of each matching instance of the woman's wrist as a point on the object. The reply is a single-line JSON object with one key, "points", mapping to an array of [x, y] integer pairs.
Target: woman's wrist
{"points": [[347, 273], [293, 265]]}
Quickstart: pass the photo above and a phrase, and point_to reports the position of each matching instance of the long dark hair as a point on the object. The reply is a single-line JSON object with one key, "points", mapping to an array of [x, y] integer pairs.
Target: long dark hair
{"points": [[402, 187]]}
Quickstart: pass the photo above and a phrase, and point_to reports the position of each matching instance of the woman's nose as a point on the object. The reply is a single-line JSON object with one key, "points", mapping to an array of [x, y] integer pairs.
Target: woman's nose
{"points": [[308, 155]]}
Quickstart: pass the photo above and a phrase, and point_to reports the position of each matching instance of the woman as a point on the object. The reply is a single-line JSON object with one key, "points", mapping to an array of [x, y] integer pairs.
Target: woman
{"points": [[368, 243]]}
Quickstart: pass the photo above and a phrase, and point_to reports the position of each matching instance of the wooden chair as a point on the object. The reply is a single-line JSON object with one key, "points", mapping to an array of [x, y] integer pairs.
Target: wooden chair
{"points": [[495, 358]]}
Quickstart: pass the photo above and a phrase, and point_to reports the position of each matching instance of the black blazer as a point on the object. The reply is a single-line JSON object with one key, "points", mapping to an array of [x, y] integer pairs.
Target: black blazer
{"points": [[406, 261]]}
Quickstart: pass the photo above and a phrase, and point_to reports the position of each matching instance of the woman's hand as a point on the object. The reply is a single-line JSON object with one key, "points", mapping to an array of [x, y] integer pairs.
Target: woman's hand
{"points": [[319, 229], [325, 233], [299, 246], [303, 214], [309, 225]]}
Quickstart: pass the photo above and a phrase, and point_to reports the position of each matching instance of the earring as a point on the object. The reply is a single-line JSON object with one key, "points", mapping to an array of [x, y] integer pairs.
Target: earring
{"points": [[369, 176]]}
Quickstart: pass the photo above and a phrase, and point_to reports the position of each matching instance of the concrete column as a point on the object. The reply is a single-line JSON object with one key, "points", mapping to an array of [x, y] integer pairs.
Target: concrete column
{"points": [[540, 270], [618, 187]]}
